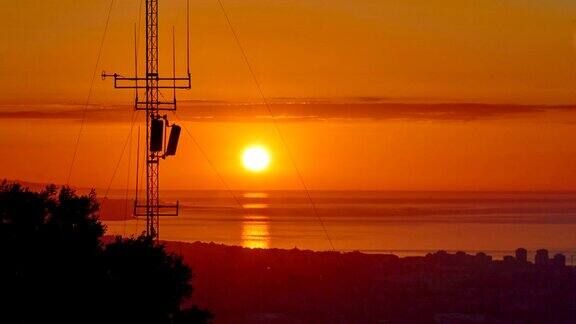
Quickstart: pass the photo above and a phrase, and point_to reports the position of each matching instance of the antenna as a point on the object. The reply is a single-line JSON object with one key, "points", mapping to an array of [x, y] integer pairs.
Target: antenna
{"points": [[137, 168], [188, 37], [135, 63], [156, 123], [174, 63]]}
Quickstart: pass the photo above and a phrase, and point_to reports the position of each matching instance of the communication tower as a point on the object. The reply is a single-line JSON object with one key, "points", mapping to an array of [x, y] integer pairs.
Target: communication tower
{"points": [[157, 124]]}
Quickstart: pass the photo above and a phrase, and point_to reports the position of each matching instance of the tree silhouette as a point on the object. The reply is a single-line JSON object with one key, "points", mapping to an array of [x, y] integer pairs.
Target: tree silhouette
{"points": [[54, 267], [138, 267]]}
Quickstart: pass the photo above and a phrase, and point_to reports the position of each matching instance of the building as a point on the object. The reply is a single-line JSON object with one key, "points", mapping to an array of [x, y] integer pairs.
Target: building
{"points": [[521, 255], [483, 258], [509, 259], [559, 260], [542, 258]]}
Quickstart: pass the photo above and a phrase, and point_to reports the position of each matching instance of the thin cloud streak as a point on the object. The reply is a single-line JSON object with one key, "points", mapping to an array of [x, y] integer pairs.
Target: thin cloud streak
{"points": [[294, 110]]}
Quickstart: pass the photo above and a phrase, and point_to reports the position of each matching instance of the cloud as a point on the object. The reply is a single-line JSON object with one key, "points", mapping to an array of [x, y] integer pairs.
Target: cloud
{"points": [[294, 110], [65, 112]]}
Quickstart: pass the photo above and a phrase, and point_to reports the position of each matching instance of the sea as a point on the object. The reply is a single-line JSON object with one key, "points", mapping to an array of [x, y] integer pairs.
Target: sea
{"points": [[402, 223]]}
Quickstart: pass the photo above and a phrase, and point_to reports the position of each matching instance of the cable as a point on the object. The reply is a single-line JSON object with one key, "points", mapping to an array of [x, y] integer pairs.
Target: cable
{"points": [[212, 165], [127, 182], [127, 143], [134, 115], [83, 122], [137, 44], [275, 123], [139, 175]]}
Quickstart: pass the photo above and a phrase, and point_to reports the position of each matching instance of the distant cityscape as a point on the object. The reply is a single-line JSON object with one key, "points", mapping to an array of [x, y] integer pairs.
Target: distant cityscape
{"points": [[541, 258], [441, 287]]}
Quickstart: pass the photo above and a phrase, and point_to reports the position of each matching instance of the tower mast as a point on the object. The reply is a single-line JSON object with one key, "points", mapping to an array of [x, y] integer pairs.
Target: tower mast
{"points": [[152, 113], [157, 124]]}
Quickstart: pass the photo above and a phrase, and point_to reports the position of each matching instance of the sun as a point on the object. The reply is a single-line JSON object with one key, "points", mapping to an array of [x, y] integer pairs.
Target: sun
{"points": [[256, 158]]}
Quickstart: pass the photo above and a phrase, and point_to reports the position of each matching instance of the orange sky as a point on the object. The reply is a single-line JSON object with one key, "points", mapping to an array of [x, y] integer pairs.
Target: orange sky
{"points": [[343, 62]]}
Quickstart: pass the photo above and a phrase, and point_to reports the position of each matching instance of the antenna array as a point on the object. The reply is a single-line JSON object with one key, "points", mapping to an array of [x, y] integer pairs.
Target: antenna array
{"points": [[157, 124]]}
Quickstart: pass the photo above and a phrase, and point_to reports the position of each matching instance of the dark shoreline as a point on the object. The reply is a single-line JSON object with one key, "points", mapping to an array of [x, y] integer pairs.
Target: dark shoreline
{"points": [[245, 285]]}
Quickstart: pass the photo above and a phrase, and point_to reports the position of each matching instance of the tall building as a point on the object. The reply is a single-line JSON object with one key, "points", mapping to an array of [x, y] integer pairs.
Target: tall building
{"points": [[542, 257], [509, 259], [559, 260], [521, 255]]}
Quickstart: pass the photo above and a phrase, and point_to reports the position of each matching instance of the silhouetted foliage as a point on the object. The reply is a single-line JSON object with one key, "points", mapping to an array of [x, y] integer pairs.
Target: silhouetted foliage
{"points": [[137, 266], [55, 269]]}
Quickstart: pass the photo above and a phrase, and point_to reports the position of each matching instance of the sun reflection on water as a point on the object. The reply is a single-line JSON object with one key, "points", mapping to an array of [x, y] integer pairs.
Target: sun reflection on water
{"points": [[255, 227], [255, 234], [255, 206], [255, 195]]}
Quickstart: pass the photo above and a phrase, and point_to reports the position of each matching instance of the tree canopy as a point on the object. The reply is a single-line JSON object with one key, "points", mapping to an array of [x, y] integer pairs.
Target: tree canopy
{"points": [[55, 267]]}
